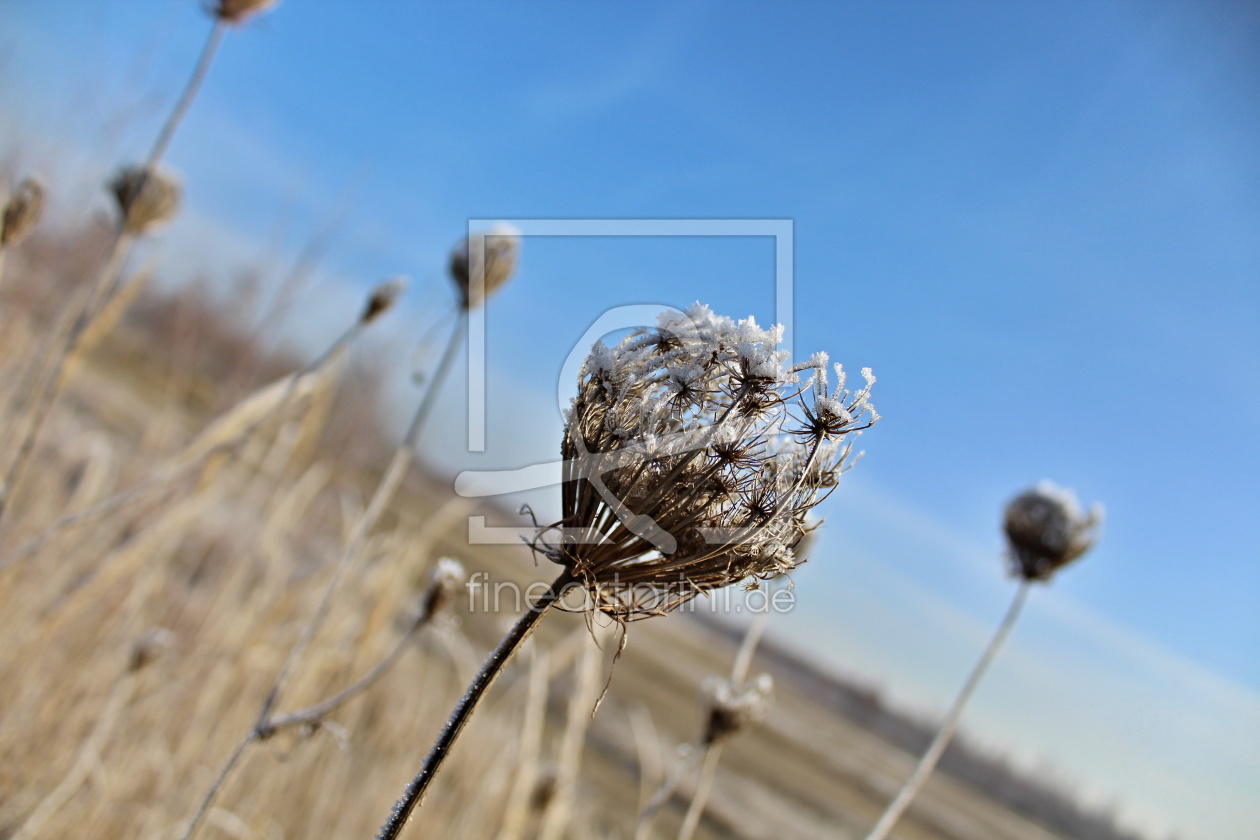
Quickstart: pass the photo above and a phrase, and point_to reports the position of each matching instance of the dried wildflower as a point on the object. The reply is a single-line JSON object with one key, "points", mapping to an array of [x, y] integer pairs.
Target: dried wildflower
{"points": [[148, 647], [482, 262], [1047, 529], [693, 453], [236, 11], [383, 297], [444, 583], [733, 707], [147, 198], [22, 212]]}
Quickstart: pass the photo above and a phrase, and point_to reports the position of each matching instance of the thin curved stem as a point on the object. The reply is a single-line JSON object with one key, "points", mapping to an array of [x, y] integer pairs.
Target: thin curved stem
{"points": [[490, 670], [390, 482], [950, 722], [190, 92], [105, 285], [265, 724], [224, 772], [52, 378], [314, 714], [703, 785]]}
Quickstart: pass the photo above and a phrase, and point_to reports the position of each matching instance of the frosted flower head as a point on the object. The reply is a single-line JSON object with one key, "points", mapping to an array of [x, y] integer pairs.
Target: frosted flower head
{"points": [[147, 198], [690, 463], [236, 11], [383, 297], [483, 262], [22, 212], [1046, 529], [733, 707]]}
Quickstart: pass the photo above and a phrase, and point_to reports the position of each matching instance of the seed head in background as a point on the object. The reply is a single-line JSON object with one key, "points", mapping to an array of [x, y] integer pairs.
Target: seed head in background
{"points": [[483, 262], [237, 11], [147, 198], [733, 707], [383, 298], [693, 453], [22, 212], [1046, 529]]}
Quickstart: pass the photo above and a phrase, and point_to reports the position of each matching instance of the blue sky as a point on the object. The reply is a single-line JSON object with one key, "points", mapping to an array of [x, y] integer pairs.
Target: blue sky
{"points": [[1038, 223]]}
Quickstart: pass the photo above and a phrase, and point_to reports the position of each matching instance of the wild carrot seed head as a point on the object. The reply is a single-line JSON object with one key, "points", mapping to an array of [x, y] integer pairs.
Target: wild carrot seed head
{"points": [[1046, 529], [383, 297], [733, 707], [236, 11], [692, 454], [483, 262], [22, 212], [147, 198]]}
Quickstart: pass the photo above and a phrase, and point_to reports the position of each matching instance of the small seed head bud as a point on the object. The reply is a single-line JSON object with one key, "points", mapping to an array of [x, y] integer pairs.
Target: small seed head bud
{"points": [[444, 584], [147, 198], [383, 297], [732, 707], [483, 262], [148, 647], [1046, 529], [22, 212], [236, 11]]}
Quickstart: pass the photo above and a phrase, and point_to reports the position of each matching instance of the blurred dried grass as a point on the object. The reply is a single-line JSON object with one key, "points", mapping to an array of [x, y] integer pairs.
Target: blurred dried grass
{"points": [[228, 562]]}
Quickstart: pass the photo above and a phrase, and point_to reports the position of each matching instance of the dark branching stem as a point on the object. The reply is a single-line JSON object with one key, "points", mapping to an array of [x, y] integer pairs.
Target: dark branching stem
{"points": [[463, 710]]}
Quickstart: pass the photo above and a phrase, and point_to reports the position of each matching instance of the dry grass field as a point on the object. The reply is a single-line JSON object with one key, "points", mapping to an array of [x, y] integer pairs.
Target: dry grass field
{"points": [[139, 644]]}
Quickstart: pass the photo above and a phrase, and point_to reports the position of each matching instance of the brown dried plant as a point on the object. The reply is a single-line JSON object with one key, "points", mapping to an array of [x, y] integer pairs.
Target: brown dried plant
{"points": [[693, 453]]}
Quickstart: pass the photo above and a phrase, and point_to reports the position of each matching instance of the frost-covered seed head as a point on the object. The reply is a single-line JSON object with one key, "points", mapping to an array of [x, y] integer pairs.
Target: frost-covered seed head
{"points": [[445, 580], [691, 462], [1046, 529], [734, 707], [147, 199], [382, 298], [236, 11], [22, 212], [483, 262]]}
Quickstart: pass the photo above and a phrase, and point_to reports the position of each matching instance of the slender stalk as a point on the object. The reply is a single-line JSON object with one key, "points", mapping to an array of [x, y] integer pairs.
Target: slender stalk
{"points": [[950, 722], [52, 378], [224, 772], [390, 482], [105, 285], [314, 714], [507, 646], [265, 724], [713, 753], [190, 92], [739, 674]]}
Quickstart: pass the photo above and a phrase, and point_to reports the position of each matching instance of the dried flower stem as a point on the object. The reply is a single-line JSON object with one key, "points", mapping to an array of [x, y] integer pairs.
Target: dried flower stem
{"points": [[265, 722], [390, 482], [78, 318], [709, 751], [190, 92], [310, 716], [950, 722], [712, 754], [67, 335], [490, 670]]}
